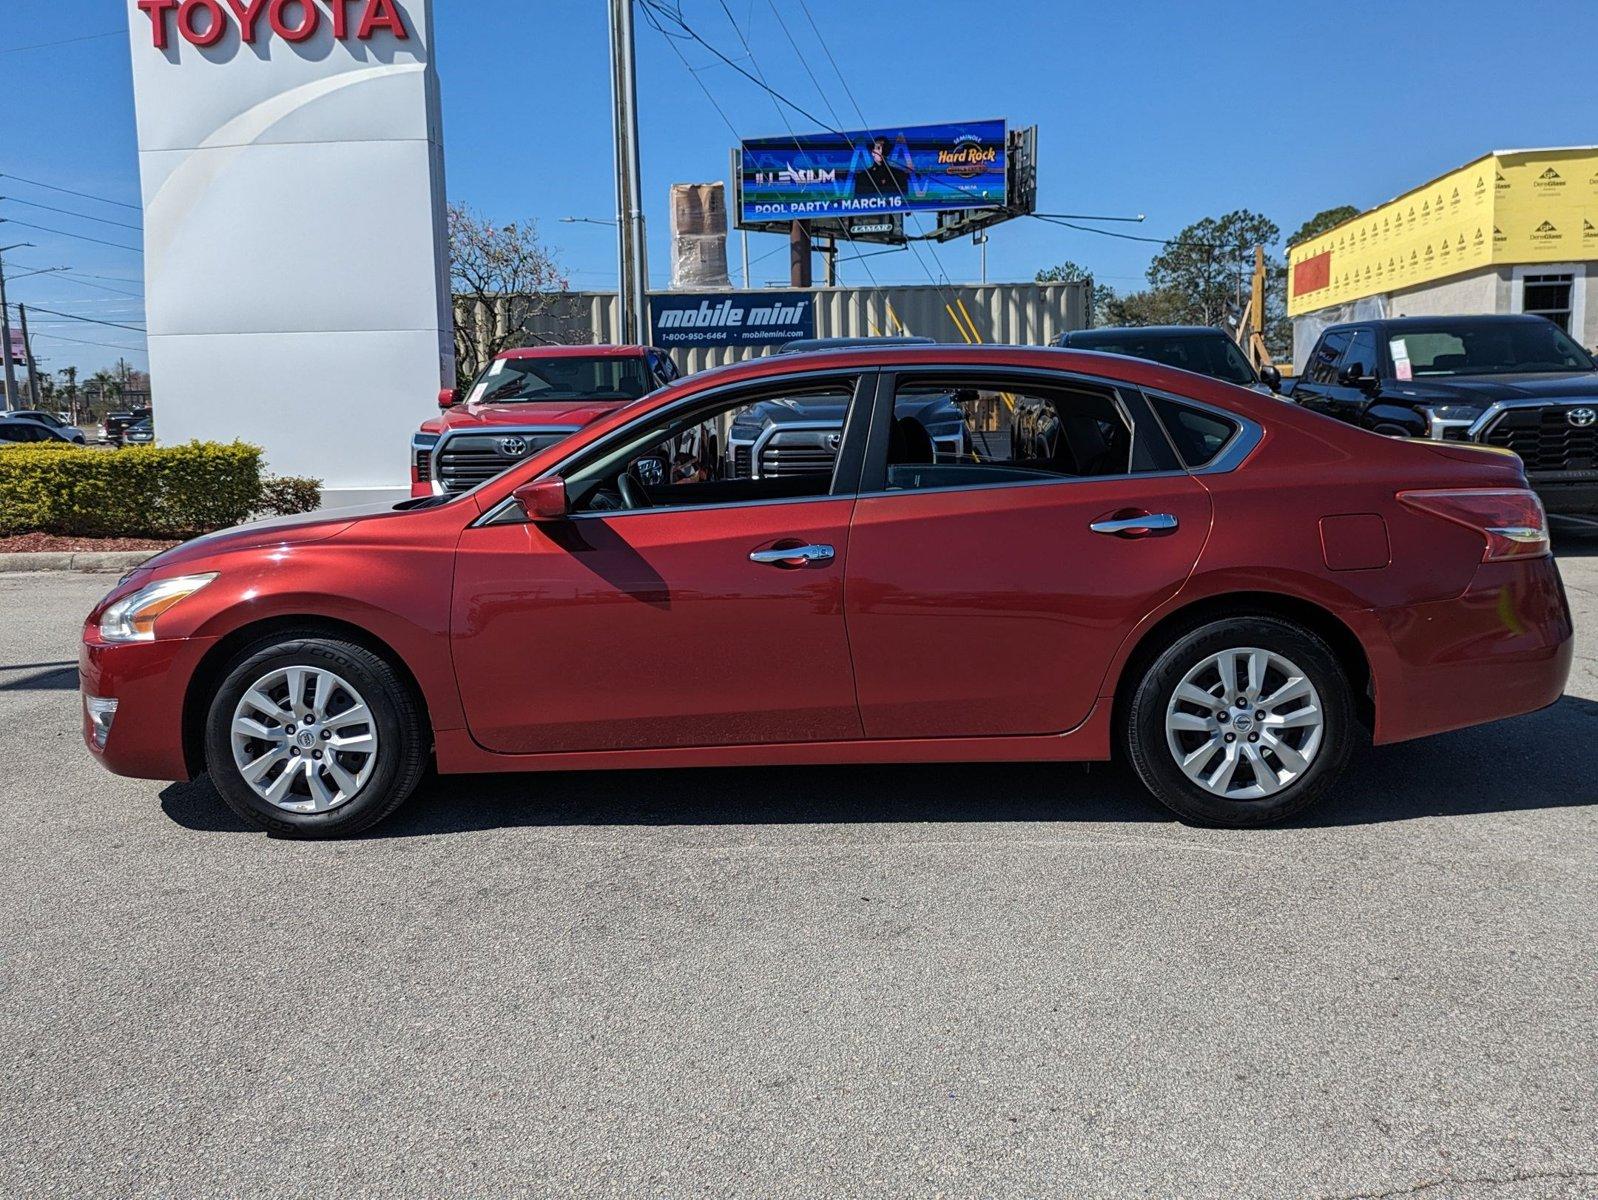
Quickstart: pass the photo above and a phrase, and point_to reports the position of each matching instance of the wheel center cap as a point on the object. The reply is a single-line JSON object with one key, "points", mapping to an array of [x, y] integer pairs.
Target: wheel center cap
{"points": [[1242, 722], [305, 738]]}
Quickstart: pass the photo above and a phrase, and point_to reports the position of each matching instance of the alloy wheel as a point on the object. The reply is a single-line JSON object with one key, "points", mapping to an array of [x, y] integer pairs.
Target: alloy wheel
{"points": [[303, 739], [1245, 723]]}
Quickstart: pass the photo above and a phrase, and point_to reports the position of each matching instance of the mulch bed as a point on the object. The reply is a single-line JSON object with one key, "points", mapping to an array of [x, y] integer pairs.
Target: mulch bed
{"points": [[32, 543]]}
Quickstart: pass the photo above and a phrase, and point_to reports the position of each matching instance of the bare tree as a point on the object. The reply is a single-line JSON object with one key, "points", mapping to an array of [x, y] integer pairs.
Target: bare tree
{"points": [[504, 278]]}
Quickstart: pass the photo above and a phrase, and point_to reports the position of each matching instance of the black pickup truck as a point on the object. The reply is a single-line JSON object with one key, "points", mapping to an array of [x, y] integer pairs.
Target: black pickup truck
{"points": [[1516, 382]]}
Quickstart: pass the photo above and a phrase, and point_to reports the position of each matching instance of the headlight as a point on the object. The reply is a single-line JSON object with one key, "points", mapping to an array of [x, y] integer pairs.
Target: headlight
{"points": [[1452, 412], [132, 618]]}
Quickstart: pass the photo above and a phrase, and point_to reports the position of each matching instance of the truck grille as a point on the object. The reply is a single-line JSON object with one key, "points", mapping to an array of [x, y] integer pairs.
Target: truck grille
{"points": [[1545, 439], [468, 459], [740, 461], [791, 452]]}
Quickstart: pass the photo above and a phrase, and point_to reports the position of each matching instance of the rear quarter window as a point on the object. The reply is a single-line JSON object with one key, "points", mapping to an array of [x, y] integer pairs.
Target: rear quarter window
{"points": [[1199, 435]]}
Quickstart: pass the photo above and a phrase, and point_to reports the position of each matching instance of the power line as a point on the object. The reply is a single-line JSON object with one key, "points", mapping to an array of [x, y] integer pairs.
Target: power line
{"points": [[88, 37], [50, 187], [65, 233], [90, 320], [67, 212], [58, 337]]}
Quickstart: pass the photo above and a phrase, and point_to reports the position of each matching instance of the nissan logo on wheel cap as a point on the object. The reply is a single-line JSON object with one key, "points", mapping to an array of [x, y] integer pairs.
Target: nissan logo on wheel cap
{"points": [[513, 447], [1582, 417]]}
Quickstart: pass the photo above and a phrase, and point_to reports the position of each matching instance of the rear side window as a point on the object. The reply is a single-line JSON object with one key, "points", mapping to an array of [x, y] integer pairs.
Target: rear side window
{"points": [[1198, 434], [1323, 362]]}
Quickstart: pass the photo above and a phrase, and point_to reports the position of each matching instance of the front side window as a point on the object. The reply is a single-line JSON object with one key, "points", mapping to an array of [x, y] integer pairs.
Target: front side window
{"points": [[772, 443], [562, 378], [1361, 351], [961, 433]]}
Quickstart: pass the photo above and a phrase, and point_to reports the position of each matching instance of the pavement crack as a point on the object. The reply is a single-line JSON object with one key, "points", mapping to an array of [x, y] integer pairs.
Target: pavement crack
{"points": [[1448, 1180]]}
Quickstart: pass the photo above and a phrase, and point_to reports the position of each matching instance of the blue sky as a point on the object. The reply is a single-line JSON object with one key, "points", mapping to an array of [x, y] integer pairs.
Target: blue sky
{"points": [[1173, 109]]}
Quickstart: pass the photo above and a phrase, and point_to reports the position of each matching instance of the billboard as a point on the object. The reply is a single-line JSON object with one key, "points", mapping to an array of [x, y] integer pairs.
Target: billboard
{"points": [[684, 321], [873, 172], [1509, 207]]}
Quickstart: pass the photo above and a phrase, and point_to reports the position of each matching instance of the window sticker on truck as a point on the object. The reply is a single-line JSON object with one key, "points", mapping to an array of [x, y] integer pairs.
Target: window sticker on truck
{"points": [[1400, 353]]}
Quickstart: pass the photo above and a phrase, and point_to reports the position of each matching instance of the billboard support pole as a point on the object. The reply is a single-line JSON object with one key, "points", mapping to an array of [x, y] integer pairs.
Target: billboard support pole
{"points": [[799, 268], [633, 275]]}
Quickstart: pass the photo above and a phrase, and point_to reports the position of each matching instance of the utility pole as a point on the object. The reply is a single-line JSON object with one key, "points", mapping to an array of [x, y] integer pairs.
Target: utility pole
{"points": [[27, 354], [633, 289], [5, 329]]}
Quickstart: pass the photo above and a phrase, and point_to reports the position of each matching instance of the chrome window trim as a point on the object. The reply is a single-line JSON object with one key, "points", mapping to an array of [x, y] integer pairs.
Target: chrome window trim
{"points": [[1242, 443], [1496, 410]]}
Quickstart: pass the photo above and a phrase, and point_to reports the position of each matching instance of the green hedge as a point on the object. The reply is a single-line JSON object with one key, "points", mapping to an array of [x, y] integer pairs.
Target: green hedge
{"points": [[141, 491]]}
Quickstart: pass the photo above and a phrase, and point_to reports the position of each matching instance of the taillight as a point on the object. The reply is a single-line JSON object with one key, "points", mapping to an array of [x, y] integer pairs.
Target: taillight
{"points": [[1510, 519]]}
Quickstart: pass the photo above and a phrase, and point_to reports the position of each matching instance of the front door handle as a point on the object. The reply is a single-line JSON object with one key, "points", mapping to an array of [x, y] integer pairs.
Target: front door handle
{"points": [[793, 556], [1136, 526]]}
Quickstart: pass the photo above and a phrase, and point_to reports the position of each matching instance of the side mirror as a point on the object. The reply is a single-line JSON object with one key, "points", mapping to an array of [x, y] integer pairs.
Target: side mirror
{"points": [[1271, 378], [449, 397], [543, 499], [1358, 375]]}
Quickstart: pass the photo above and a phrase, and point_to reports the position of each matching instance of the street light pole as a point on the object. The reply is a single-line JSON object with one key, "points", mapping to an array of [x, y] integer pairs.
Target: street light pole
{"points": [[633, 290], [5, 329]]}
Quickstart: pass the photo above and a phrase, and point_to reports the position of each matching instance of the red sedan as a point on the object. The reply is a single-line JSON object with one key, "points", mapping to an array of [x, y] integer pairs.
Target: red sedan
{"points": [[783, 562]]}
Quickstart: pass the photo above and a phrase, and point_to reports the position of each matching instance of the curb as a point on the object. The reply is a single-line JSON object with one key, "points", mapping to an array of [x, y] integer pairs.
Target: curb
{"points": [[87, 561]]}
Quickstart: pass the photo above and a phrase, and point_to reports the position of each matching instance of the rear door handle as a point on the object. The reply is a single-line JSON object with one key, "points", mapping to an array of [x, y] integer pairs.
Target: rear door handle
{"points": [[1141, 525], [793, 556]]}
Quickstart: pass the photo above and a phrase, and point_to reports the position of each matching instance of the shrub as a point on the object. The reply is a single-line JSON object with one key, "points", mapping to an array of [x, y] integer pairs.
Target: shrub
{"points": [[285, 495], [141, 491]]}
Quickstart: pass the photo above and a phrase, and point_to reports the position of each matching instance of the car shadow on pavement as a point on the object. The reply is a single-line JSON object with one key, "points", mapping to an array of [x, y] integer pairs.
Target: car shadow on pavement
{"points": [[1503, 767]]}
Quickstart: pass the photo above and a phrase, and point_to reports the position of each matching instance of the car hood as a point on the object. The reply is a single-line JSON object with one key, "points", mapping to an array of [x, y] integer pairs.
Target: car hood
{"points": [[274, 531], [528, 414], [1487, 389]]}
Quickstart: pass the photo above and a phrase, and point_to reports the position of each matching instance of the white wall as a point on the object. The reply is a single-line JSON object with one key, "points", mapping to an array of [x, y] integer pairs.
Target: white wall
{"points": [[295, 248]]}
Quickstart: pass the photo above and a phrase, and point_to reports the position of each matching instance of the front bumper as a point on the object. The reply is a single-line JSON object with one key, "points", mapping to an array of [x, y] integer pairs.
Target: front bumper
{"points": [[1501, 648], [149, 681], [1567, 493]]}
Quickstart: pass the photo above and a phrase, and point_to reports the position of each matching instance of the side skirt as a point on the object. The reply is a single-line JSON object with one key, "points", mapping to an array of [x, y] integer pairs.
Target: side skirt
{"points": [[1088, 742]]}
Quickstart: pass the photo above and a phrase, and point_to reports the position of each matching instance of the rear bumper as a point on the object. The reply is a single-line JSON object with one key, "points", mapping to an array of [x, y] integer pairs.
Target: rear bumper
{"points": [[149, 681], [1501, 648]]}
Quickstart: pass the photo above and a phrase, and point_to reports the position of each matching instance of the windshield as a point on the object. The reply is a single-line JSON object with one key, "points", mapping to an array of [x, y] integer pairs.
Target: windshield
{"points": [[1490, 348], [1208, 354], [530, 379]]}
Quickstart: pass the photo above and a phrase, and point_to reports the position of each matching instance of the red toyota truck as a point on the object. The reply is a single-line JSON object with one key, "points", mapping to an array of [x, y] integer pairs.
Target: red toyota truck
{"points": [[528, 399]]}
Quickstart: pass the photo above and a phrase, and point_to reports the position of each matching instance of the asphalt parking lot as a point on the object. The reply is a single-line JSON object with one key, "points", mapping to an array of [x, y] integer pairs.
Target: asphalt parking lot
{"points": [[994, 981]]}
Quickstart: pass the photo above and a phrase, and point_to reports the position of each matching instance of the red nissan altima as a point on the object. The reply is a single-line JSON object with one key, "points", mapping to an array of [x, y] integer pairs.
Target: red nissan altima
{"points": [[918, 554]]}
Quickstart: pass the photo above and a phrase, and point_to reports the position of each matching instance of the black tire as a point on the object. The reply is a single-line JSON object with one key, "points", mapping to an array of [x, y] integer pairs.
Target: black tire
{"points": [[403, 738], [1144, 727]]}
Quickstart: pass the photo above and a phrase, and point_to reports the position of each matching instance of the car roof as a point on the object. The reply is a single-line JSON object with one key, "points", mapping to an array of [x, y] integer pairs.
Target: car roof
{"points": [[1435, 322], [803, 345], [1088, 336], [600, 351]]}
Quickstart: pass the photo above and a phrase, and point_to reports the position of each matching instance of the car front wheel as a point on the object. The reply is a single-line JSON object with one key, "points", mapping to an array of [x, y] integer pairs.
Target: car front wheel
{"points": [[1241, 722], [314, 738]]}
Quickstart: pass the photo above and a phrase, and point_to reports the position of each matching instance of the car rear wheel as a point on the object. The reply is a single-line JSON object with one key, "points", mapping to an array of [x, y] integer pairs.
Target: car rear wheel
{"points": [[314, 738], [1240, 722]]}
